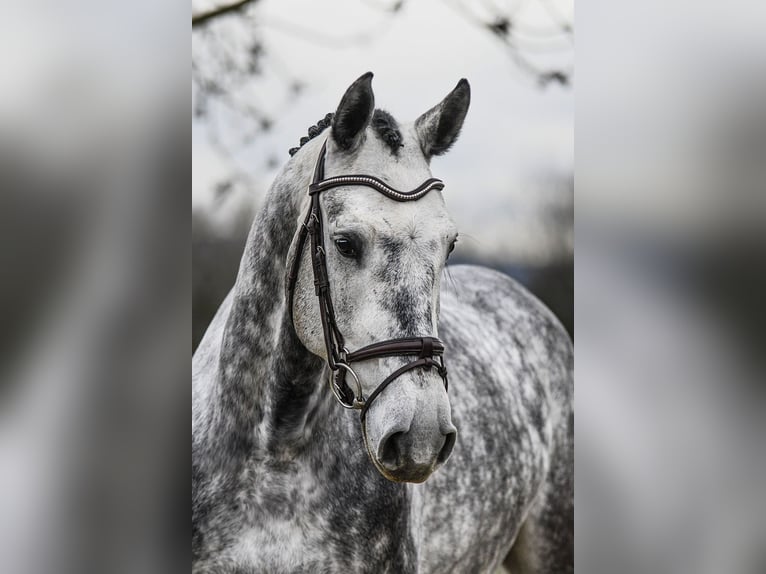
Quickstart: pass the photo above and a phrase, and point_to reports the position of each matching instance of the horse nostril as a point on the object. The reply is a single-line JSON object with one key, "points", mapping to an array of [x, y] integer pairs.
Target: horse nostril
{"points": [[449, 443], [389, 451]]}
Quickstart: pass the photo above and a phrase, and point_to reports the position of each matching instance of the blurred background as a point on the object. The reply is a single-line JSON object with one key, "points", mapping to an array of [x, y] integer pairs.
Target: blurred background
{"points": [[669, 287], [264, 71], [96, 270]]}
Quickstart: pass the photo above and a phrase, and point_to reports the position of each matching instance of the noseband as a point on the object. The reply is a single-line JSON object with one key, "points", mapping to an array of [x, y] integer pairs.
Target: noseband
{"points": [[339, 359]]}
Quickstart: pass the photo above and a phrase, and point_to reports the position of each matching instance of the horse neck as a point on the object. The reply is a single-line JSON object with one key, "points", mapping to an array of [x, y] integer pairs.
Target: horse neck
{"points": [[268, 383]]}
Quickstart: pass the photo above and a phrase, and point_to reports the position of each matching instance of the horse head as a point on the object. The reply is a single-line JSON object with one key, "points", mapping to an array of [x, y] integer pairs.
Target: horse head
{"points": [[382, 262]]}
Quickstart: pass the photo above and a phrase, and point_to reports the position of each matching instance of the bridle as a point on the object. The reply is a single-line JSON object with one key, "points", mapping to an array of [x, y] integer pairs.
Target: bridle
{"points": [[339, 359]]}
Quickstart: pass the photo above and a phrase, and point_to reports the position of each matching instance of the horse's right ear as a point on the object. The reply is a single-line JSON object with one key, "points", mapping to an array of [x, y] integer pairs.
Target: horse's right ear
{"points": [[354, 113]]}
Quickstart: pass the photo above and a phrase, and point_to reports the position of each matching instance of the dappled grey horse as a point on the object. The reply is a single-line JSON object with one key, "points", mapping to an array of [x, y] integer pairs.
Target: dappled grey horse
{"points": [[462, 458]]}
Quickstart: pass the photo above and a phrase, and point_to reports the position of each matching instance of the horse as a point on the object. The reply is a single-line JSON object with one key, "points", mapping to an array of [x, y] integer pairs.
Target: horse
{"points": [[464, 460]]}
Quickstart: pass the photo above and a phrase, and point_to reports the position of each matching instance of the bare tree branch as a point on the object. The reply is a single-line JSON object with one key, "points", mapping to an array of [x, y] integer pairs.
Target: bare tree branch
{"points": [[203, 18]]}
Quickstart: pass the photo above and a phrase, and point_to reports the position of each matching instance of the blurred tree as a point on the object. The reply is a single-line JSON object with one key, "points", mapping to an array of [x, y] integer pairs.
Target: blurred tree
{"points": [[228, 53], [205, 17]]}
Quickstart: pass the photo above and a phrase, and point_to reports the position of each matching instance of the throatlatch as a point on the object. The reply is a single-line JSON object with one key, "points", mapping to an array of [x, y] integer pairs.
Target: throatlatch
{"points": [[428, 350]]}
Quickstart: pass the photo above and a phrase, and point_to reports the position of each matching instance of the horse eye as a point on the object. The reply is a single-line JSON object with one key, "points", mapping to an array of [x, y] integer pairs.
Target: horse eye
{"points": [[345, 247], [451, 248]]}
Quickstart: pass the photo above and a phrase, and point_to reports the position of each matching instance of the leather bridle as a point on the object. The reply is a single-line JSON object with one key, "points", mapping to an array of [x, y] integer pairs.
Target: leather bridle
{"points": [[428, 350]]}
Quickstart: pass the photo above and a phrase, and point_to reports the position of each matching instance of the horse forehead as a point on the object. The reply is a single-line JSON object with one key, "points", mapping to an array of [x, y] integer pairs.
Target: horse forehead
{"points": [[423, 221], [404, 170]]}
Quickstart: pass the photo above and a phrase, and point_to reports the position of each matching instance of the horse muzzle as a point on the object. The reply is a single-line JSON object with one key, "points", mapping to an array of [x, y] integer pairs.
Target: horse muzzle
{"points": [[410, 433], [404, 458]]}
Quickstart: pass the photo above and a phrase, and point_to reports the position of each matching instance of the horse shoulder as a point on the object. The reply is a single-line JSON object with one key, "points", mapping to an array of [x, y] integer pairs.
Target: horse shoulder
{"points": [[497, 311]]}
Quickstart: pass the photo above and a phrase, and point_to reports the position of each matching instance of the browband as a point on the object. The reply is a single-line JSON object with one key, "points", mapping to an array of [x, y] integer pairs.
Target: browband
{"points": [[378, 185]]}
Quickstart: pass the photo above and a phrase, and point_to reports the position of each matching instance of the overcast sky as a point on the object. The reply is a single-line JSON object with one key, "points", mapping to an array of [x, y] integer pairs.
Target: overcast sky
{"points": [[517, 142]]}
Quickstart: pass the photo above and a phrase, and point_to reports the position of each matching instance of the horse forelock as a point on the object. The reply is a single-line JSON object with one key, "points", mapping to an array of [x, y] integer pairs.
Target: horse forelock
{"points": [[387, 130]]}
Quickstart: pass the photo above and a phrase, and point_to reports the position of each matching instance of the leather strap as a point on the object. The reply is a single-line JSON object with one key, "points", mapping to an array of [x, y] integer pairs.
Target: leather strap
{"points": [[394, 347], [419, 363]]}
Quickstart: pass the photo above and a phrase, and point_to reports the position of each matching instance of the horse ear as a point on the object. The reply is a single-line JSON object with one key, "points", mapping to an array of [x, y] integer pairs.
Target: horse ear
{"points": [[439, 127], [354, 113]]}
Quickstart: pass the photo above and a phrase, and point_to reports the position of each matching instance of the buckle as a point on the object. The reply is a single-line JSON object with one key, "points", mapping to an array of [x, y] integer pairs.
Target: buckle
{"points": [[342, 393]]}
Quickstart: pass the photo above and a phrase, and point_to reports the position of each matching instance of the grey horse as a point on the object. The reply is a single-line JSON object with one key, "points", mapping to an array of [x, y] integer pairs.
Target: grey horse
{"points": [[464, 479]]}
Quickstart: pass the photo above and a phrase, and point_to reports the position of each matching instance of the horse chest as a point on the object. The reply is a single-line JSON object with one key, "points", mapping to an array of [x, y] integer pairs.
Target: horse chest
{"points": [[282, 528], [307, 522]]}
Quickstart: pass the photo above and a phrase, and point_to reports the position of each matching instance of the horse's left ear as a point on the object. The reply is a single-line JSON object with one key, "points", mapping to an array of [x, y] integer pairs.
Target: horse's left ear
{"points": [[439, 127]]}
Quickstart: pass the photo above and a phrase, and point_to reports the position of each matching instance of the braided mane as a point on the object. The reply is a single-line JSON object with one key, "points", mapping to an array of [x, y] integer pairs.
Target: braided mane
{"points": [[383, 123], [314, 131]]}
